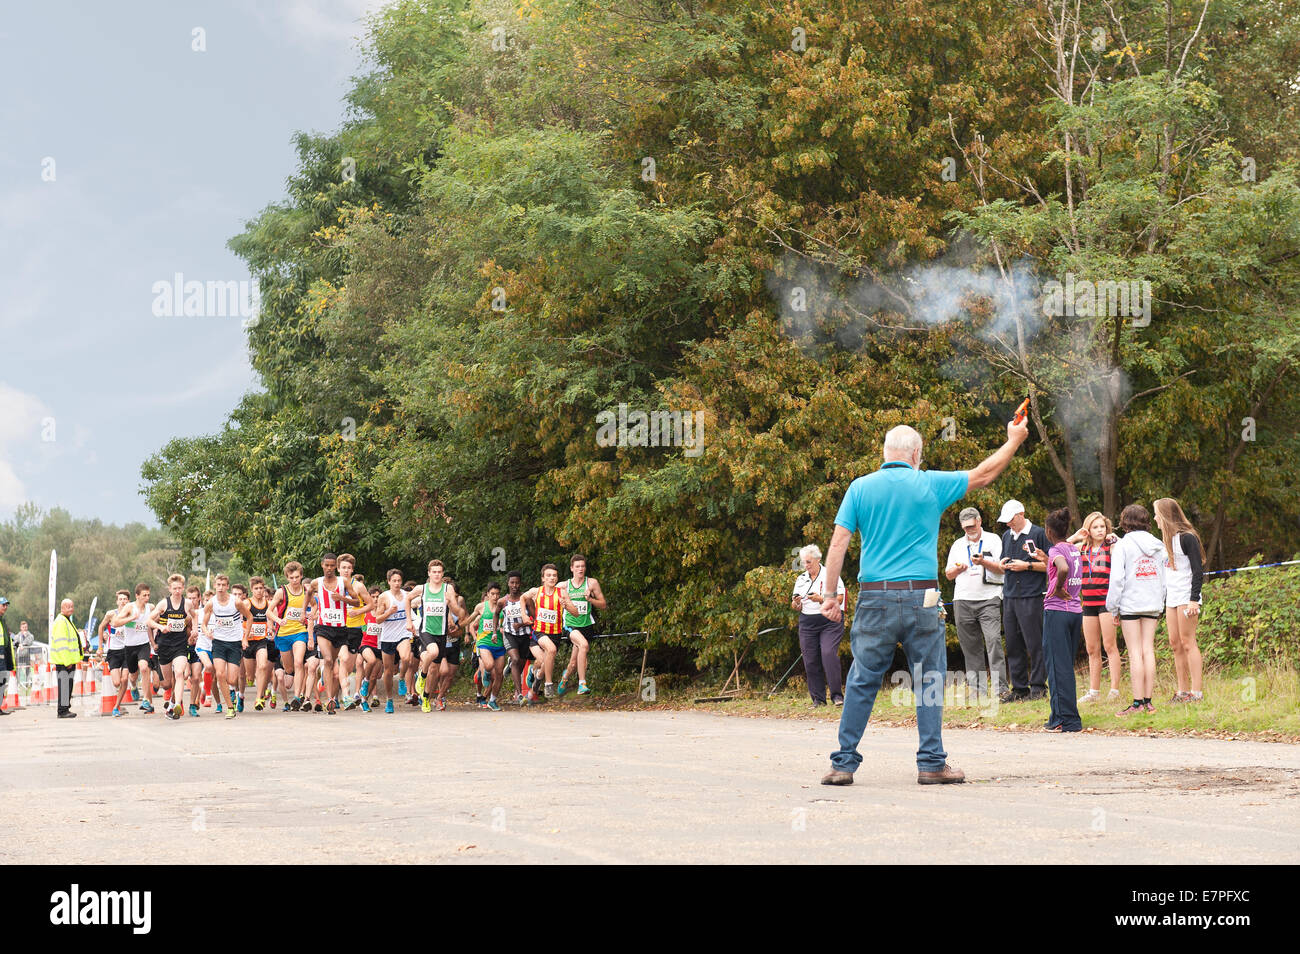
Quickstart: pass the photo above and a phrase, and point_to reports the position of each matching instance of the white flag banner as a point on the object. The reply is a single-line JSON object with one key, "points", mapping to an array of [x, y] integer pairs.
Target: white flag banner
{"points": [[54, 575]]}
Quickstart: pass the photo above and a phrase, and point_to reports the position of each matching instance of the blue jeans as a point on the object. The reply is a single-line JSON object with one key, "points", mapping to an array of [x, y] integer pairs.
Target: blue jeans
{"points": [[883, 619]]}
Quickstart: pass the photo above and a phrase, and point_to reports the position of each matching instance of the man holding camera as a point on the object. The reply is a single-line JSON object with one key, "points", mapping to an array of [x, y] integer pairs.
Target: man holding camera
{"points": [[974, 564], [1024, 561]]}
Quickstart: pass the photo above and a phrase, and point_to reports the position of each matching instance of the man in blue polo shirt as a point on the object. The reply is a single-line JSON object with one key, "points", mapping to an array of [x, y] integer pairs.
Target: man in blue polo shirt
{"points": [[897, 511]]}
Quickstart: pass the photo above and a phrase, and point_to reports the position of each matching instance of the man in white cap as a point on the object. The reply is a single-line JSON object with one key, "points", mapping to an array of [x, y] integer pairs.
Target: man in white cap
{"points": [[1024, 561], [977, 602]]}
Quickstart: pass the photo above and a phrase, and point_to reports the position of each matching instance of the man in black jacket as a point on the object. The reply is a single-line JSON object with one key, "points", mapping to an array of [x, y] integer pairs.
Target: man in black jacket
{"points": [[8, 659], [1024, 558]]}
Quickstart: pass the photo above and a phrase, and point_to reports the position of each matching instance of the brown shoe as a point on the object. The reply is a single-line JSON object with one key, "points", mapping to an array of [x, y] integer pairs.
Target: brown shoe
{"points": [[836, 777], [945, 776]]}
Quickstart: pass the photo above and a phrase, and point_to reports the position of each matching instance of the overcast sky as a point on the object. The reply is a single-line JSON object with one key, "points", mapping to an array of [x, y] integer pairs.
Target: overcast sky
{"points": [[126, 157]]}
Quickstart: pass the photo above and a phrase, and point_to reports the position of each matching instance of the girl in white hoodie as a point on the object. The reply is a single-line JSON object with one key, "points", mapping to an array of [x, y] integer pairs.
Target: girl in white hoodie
{"points": [[1137, 596]]}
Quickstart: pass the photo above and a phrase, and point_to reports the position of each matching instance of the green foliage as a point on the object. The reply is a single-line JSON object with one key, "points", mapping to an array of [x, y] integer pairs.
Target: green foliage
{"points": [[1252, 618], [440, 331]]}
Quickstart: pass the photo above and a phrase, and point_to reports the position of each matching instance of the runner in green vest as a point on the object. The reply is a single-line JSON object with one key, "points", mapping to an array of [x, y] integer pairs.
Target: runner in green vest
{"points": [[579, 596], [491, 647], [439, 651]]}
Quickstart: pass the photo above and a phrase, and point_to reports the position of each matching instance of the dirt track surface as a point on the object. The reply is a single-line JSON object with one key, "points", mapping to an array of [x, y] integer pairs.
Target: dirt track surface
{"points": [[573, 785]]}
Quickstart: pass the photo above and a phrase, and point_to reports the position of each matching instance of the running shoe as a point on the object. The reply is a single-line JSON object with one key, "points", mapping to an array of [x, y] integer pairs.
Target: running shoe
{"points": [[260, 704], [1181, 696], [240, 701], [492, 704], [441, 702], [117, 712], [318, 707], [365, 688], [424, 705], [549, 690], [413, 701], [1148, 707], [365, 705], [480, 699], [352, 703], [1135, 707], [419, 685], [194, 710], [374, 702], [146, 707], [482, 704], [582, 689], [401, 687], [230, 712], [561, 688], [176, 711], [331, 707], [272, 695], [1113, 694], [1092, 695], [294, 704], [388, 707]]}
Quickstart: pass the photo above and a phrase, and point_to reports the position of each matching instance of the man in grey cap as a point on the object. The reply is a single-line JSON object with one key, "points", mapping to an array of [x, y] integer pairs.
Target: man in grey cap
{"points": [[977, 602]]}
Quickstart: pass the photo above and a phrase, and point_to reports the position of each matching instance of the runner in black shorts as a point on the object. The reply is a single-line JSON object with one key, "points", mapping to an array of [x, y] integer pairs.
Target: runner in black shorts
{"points": [[325, 594], [517, 628], [356, 599], [171, 622]]}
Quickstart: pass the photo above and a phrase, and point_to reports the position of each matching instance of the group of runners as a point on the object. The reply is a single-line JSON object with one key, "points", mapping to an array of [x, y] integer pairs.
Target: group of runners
{"points": [[329, 642]]}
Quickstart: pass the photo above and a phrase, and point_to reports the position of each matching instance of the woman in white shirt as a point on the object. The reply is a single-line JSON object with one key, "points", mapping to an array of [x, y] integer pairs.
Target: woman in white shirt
{"points": [[819, 637]]}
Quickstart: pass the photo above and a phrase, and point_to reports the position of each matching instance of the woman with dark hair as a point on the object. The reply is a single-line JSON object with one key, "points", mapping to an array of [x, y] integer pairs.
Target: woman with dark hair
{"points": [[1137, 595], [1183, 575], [1062, 623]]}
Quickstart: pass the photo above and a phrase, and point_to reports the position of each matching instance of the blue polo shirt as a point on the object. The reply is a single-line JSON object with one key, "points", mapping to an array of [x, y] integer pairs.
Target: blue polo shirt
{"points": [[897, 511]]}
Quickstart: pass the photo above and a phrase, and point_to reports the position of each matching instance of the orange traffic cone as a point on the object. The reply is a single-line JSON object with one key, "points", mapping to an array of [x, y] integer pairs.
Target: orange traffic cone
{"points": [[10, 700], [108, 695]]}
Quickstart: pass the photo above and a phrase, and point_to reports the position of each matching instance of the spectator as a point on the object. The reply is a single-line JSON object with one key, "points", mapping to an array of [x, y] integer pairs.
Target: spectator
{"points": [[1094, 540], [819, 637], [1184, 572], [1137, 596], [897, 511], [977, 601], [1062, 624], [1023, 548], [24, 640]]}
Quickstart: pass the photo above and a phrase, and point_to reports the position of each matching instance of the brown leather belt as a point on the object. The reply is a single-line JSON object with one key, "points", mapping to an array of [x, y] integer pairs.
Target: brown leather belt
{"points": [[900, 585]]}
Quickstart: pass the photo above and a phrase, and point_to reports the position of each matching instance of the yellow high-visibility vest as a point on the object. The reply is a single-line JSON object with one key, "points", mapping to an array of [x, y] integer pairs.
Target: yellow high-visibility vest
{"points": [[65, 643]]}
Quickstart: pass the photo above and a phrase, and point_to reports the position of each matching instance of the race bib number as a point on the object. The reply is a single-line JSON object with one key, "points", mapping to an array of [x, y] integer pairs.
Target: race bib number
{"points": [[331, 616], [175, 625], [295, 614], [258, 631], [372, 629], [489, 625], [435, 609], [546, 615], [581, 605]]}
